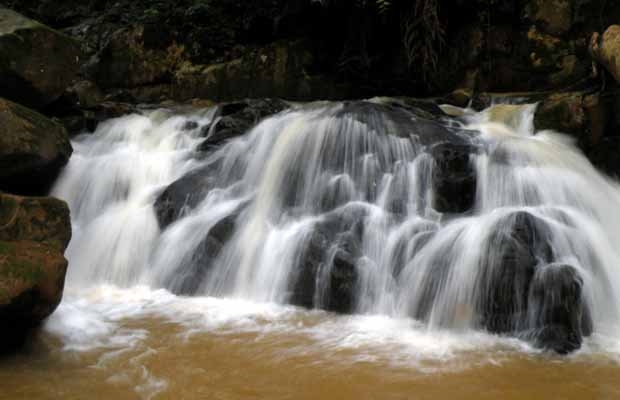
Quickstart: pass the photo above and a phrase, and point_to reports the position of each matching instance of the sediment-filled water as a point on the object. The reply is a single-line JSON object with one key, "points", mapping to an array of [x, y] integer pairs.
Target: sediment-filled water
{"points": [[336, 250]]}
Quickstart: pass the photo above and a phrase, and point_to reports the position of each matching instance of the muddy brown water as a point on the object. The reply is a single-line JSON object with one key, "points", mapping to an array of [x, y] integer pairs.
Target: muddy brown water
{"points": [[162, 359]]}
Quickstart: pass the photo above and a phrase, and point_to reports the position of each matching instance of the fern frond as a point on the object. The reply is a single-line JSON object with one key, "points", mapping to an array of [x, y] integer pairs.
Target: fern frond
{"points": [[383, 6]]}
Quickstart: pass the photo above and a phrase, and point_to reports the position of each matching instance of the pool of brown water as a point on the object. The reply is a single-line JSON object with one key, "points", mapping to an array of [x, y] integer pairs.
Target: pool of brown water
{"points": [[136, 344]]}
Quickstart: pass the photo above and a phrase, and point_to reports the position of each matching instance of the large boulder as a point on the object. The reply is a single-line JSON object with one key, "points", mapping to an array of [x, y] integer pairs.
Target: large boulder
{"points": [[32, 149], [36, 63], [34, 233], [605, 49]]}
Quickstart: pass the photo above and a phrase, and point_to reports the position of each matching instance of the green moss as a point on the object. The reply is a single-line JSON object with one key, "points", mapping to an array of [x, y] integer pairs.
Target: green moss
{"points": [[8, 206], [16, 267], [25, 270], [6, 248]]}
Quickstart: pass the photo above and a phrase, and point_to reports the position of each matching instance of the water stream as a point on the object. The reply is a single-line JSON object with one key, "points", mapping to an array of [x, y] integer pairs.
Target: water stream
{"points": [[450, 247]]}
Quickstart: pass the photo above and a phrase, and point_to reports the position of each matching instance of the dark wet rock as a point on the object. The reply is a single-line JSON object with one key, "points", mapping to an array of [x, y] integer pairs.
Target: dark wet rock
{"points": [[557, 310], [520, 243], [236, 118], [343, 283], [190, 126], [303, 285], [183, 195], [85, 94], [231, 120], [36, 63], [34, 233], [338, 192], [33, 149], [397, 201], [409, 246], [454, 178], [422, 121], [195, 271], [326, 275]]}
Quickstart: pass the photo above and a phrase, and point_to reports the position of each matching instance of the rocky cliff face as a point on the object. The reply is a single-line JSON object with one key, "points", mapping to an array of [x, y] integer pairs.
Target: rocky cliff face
{"points": [[329, 49], [154, 52]]}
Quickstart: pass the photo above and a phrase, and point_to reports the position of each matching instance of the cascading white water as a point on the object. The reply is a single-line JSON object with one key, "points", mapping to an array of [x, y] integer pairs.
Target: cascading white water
{"points": [[365, 184]]}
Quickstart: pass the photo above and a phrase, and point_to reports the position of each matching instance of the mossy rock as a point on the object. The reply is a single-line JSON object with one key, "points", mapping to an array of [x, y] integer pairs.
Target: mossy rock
{"points": [[32, 278], [128, 62], [33, 148], [605, 49], [34, 232], [41, 219], [37, 63], [553, 16], [562, 112]]}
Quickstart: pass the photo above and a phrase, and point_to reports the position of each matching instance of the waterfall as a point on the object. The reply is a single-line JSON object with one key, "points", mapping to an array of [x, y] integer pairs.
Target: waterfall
{"points": [[371, 207]]}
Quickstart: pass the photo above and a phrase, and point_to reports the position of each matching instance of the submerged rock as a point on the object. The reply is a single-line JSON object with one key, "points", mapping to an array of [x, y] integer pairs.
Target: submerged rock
{"points": [[183, 195], [34, 233], [523, 293], [191, 276], [327, 272], [37, 63], [519, 244], [557, 315], [33, 149]]}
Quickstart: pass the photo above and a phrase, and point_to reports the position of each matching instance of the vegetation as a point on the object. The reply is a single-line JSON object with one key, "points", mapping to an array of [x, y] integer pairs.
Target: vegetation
{"points": [[421, 33]]}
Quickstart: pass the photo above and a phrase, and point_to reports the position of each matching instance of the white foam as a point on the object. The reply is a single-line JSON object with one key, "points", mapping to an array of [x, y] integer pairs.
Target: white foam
{"points": [[94, 319]]}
